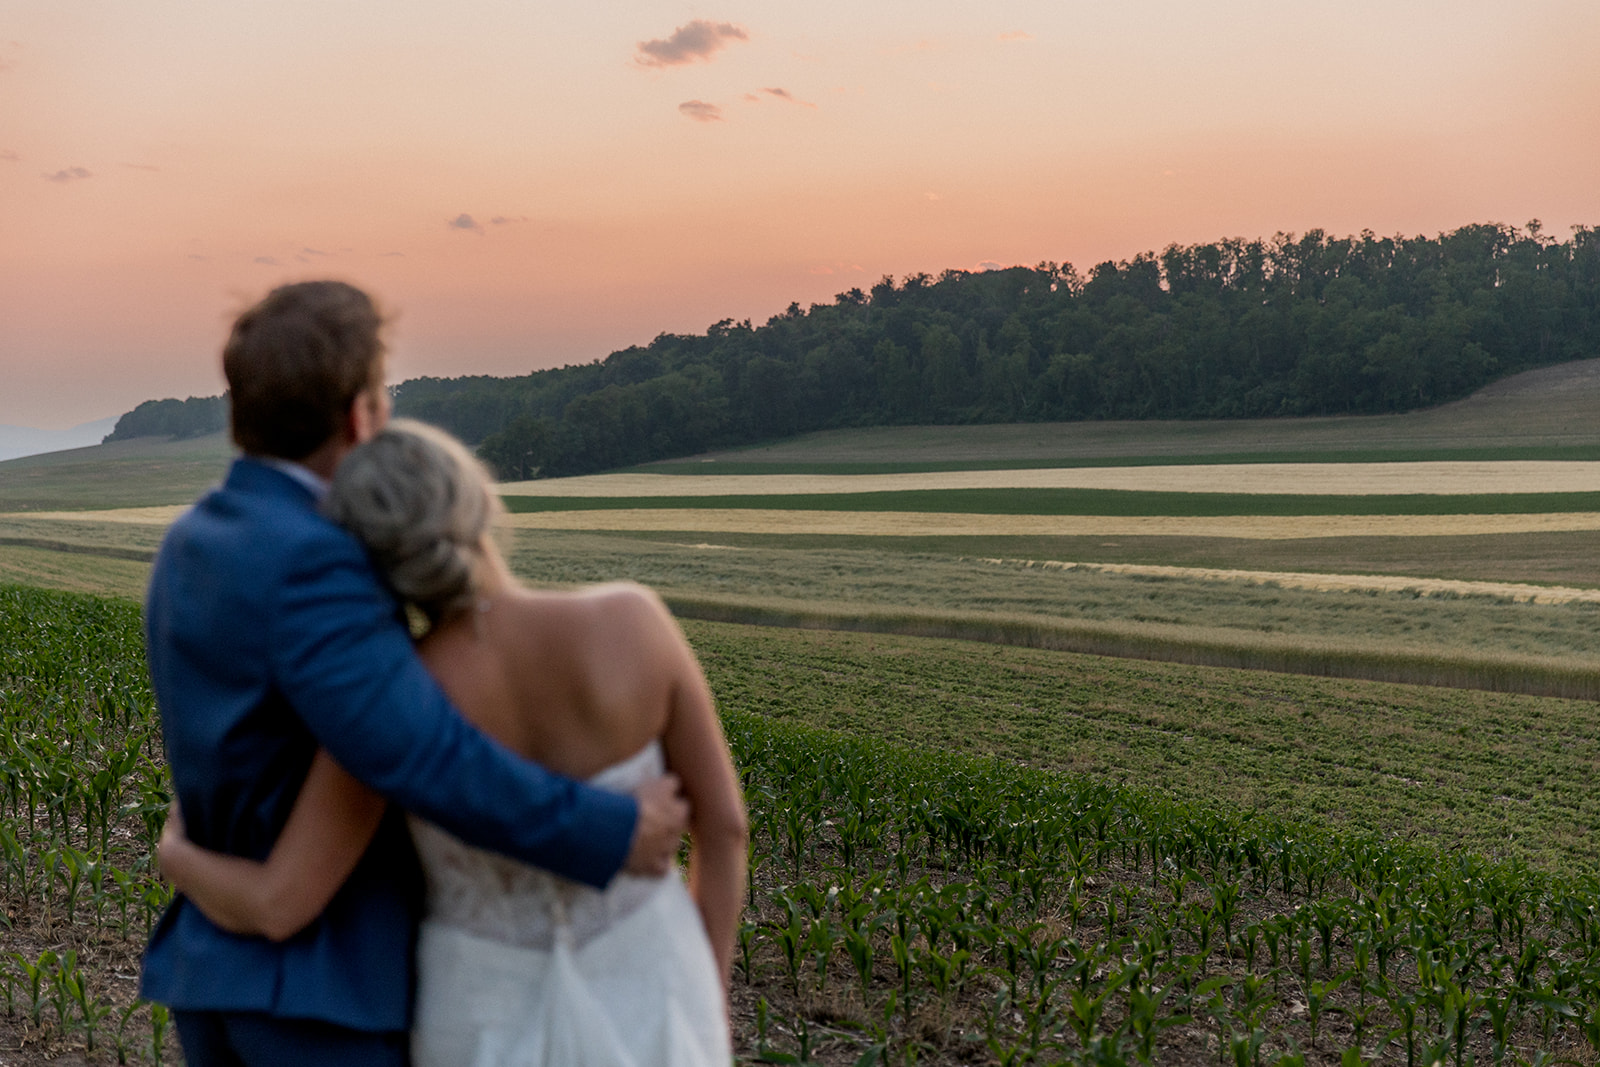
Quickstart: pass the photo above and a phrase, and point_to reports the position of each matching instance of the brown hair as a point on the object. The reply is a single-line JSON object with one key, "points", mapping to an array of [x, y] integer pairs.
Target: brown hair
{"points": [[295, 363]]}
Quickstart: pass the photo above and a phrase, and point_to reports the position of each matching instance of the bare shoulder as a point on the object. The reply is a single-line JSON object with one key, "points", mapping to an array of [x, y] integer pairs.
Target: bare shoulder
{"points": [[617, 602]]}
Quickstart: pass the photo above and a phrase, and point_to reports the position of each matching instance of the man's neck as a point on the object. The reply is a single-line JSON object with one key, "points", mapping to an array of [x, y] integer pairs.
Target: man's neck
{"points": [[325, 460]]}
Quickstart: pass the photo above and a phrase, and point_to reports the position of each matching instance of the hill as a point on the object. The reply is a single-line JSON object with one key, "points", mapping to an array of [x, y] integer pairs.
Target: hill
{"points": [[1549, 413], [120, 474], [18, 441], [1295, 326]]}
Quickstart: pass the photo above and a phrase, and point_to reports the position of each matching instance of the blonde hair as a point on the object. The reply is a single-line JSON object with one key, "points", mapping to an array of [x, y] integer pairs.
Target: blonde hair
{"points": [[422, 504]]}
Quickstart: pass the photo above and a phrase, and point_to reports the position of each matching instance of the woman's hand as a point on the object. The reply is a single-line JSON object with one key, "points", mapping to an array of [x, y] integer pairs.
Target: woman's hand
{"points": [[174, 839]]}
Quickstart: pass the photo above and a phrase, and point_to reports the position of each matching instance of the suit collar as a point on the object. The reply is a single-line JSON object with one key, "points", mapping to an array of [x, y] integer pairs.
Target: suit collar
{"points": [[252, 474]]}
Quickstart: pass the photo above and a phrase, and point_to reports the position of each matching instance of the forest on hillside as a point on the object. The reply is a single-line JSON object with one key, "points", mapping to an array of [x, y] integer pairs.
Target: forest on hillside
{"points": [[1307, 325]]}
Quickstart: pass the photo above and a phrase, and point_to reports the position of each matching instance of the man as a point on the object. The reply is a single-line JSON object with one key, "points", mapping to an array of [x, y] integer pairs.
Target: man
{"points": [[269, 634]]}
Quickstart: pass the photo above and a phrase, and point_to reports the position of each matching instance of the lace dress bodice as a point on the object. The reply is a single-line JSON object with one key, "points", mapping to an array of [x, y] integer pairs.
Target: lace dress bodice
{"points": [[502, 900]]}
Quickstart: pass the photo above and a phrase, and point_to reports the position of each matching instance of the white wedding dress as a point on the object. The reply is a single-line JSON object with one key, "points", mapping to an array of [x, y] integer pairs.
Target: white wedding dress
{"points": [[517, 967]]}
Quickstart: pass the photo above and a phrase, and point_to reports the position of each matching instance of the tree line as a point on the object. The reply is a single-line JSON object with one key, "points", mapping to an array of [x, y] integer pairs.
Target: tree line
{"points": [[1294, 325]]}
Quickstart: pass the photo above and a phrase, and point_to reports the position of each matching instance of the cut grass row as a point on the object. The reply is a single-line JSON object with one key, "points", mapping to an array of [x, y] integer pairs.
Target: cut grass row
{"points": [[1102, 502], [1480, 642]]}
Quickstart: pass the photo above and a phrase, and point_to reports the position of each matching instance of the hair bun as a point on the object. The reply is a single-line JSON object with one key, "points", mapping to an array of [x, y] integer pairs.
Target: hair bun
{"points": [[422, 504]]}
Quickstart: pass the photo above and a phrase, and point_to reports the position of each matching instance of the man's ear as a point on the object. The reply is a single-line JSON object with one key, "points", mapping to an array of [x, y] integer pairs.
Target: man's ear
{"points": [[361, 420]]}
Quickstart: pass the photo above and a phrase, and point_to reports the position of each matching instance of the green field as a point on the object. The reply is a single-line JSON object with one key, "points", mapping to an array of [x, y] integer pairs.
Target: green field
{"points": [[1497, 774], [965, 855], [728, 463], [1546, 413], [1114, 502], [124, 474]]}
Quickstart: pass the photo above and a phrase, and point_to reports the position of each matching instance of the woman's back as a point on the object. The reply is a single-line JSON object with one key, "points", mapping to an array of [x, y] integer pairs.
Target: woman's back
{"points": [[514, 962], [574, 681]]}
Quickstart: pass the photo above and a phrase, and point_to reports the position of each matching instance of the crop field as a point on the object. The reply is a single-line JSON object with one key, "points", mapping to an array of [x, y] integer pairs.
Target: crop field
{"points": [[1236, 483], [1019, 902], [1075, 834], [1115, 503]]}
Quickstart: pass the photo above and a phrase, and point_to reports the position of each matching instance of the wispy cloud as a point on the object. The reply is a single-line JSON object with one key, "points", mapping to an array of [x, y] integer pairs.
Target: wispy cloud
{"points": [[141, 166], [507, 220], [198, 258], [466, 222], [1017, 35], [392, 255], [700, 111], [8, 156], [693, 42], [70, 174], [787, 97], [265, 261], [312, 252]]}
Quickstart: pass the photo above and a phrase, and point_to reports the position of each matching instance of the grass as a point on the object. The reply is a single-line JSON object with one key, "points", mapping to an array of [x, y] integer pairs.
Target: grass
{"points": [[1559, 558], [137, 473], [1109, 502], [1488, 641], [1501, 775], [73, 571], [843, 580], [846, 467], [1538, 414]]}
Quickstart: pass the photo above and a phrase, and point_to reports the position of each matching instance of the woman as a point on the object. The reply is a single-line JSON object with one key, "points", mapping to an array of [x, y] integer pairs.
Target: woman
{"points": [[516, 965]]}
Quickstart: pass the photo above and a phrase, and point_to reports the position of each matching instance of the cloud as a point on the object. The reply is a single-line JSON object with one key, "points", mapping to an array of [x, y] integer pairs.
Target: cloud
{"points": [[988, 264], [265, 261], [466, 222], [700, 111], [692, 42], [933, 196], [8, 156], [1017, 35], [507, 220], [71, 174], [196, 256], [312, 252], [141, 166], [787, 97], [387, 255]]}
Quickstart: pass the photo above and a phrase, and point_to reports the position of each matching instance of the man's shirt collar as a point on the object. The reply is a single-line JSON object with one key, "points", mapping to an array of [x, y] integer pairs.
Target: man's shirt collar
{"points": [[316, 485]]}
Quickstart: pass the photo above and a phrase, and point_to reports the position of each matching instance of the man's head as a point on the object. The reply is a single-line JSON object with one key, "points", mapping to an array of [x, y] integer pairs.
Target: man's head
{"points": [[305, 371]]}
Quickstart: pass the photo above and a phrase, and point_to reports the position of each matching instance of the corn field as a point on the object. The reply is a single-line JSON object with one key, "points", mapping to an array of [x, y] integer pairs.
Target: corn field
{"points": [[905, 906]]}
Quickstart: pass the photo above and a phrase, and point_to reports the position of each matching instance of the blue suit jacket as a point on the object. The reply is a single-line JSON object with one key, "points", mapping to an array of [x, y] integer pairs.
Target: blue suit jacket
{"points": [[269, 633]]}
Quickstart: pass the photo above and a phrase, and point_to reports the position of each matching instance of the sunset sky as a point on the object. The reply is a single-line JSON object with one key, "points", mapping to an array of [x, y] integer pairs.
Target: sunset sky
{"points": [[529, 184]]}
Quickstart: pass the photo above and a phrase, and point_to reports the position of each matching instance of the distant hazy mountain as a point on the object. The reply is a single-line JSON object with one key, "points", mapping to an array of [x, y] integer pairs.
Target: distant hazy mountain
{"points": [[26, 441]]}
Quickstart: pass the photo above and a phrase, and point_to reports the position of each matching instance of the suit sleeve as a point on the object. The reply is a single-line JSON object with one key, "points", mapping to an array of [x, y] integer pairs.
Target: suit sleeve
{"points": [[348, 668]]}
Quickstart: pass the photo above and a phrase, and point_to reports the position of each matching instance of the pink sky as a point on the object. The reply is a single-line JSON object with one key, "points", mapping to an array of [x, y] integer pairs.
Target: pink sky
{"points": [[651, 167]]}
